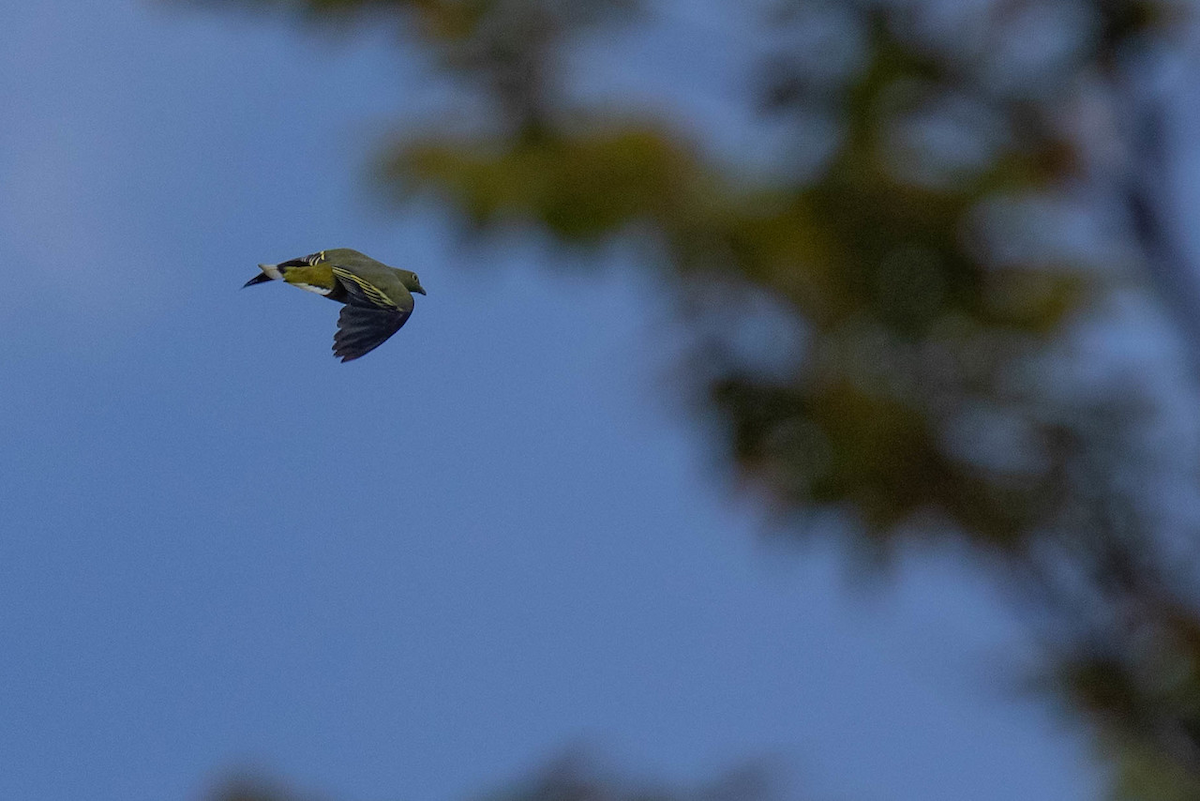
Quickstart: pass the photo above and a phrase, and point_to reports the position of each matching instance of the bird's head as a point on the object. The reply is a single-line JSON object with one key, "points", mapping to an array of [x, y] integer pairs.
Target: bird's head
{"points": [[410, 281]]}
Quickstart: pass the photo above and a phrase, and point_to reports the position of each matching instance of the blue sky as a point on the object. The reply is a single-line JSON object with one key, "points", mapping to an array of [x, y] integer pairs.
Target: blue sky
{"points": [[424, 573]]}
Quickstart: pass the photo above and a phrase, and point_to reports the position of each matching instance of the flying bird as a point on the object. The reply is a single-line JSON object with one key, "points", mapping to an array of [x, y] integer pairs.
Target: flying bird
{"points": [[378, 298]]}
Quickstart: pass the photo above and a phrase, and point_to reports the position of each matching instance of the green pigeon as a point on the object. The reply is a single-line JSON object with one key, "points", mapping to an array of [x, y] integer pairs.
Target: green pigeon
{"points": [[378, 298]]}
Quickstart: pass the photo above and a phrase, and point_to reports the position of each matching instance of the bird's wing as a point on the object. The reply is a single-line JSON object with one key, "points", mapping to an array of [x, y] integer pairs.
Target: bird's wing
{"points": [[369, 317], [383, 291], [362, 329]]}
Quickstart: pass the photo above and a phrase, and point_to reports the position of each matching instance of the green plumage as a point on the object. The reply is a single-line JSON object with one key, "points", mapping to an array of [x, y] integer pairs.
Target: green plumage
{"points": [[378, 298], [318, 275]]}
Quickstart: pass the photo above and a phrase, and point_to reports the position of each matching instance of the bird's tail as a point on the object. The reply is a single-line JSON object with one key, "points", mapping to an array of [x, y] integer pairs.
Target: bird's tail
{"points": [[270, 272]]}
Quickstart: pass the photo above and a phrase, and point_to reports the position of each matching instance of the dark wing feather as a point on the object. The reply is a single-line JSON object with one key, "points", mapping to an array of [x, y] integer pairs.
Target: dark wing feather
{"points": [[368, 318], [361, 329]]}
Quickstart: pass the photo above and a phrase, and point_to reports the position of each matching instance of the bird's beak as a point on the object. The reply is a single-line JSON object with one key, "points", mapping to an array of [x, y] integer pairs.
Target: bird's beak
{"points": [[420, 289]]}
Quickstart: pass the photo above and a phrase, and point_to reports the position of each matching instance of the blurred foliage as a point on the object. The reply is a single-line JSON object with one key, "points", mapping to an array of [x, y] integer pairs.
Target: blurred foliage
{"points": [[920, 276], [568, 779]]}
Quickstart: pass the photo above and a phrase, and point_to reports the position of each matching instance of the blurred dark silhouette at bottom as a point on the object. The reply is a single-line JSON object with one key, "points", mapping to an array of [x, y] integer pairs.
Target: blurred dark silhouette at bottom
{"points": [[569, 778]]}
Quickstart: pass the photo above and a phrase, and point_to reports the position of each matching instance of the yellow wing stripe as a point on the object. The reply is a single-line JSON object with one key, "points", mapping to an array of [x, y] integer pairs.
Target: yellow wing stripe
{"points": [[317, 275], [370, 290]]}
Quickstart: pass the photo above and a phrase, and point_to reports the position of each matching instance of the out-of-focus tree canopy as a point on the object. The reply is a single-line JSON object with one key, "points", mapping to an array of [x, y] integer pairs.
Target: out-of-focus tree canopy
{"points": [[566, 780], [991, 178]]}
